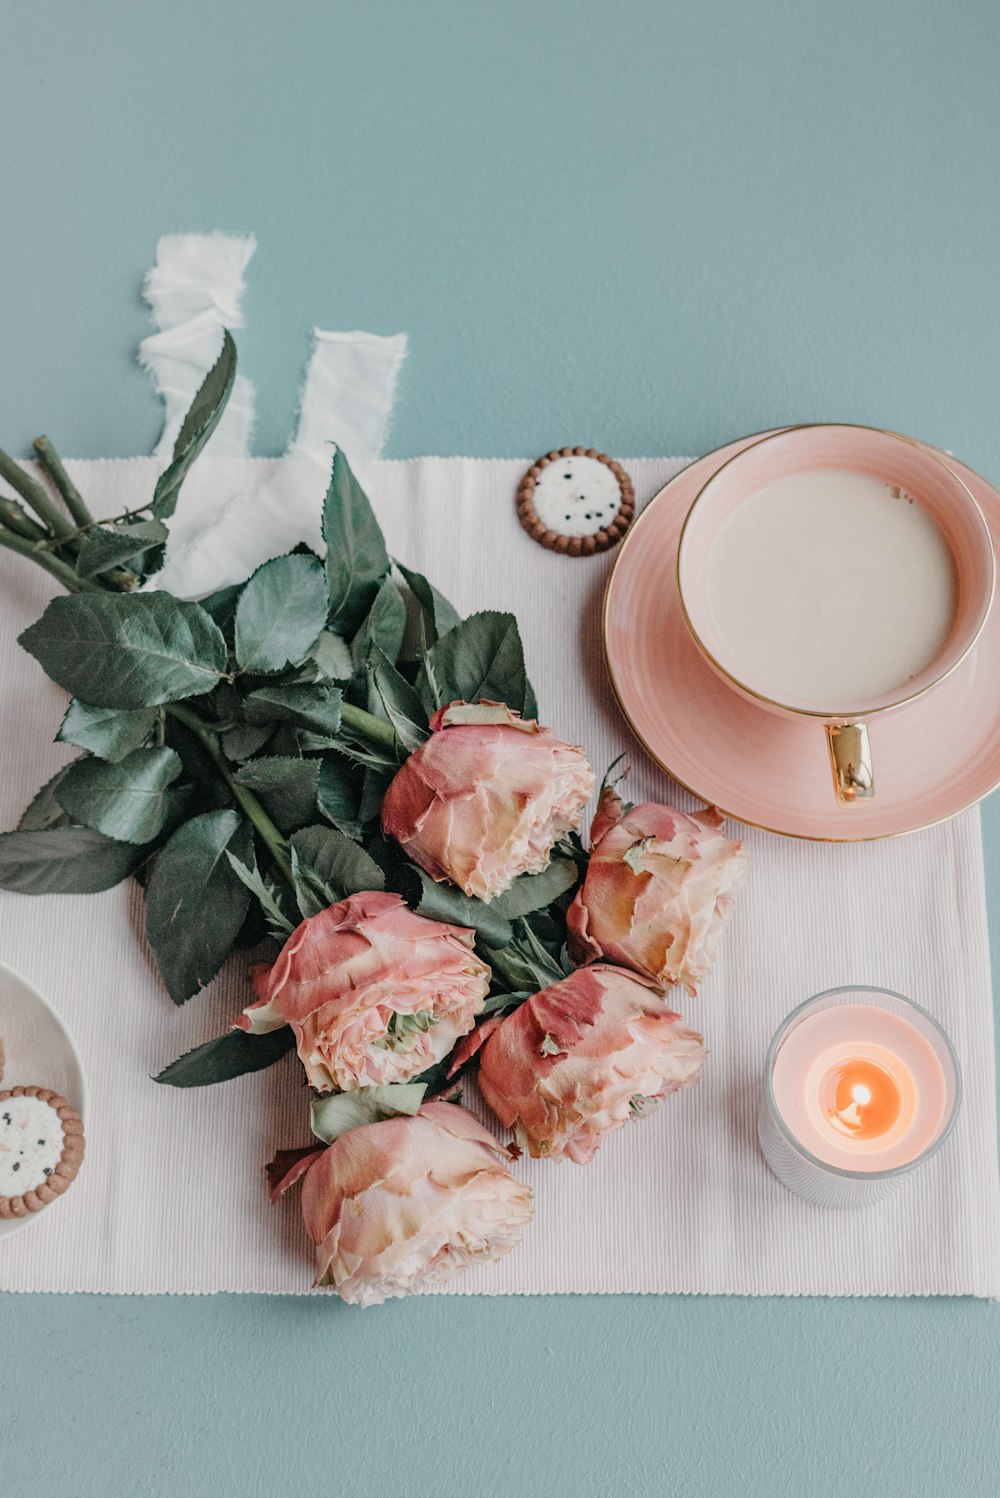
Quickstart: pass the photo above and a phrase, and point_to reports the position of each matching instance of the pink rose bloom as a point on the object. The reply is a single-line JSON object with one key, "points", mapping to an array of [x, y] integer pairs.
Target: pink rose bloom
{"points": [[583, 1057], [397, 1205], [486, 797], [658, 888], [374, 993]]}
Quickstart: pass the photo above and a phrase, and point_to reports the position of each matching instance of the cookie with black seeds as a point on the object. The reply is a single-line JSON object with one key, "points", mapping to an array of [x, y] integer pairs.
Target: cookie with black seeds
{"points": [[576, 501], [41, 1149]]}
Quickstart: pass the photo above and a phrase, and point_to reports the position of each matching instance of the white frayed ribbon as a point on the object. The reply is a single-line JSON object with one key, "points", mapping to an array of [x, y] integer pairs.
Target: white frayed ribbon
{"points": [[348, 394], [194, 290], [228, 520]]}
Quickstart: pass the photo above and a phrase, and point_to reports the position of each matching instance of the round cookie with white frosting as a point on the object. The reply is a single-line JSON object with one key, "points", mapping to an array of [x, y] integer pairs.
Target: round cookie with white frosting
{"points": [[576, 501], [41, 1148]]}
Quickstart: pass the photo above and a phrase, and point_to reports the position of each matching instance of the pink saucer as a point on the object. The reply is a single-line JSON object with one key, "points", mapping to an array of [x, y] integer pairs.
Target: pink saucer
{"points": [[935, 756]]}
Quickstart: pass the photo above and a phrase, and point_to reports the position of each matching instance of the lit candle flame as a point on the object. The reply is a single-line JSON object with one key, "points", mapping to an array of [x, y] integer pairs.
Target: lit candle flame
{"points": [[861, 1099]]}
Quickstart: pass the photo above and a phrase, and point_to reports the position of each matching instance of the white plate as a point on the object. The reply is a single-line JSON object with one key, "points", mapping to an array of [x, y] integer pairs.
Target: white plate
{"points": [[40, 1052]]}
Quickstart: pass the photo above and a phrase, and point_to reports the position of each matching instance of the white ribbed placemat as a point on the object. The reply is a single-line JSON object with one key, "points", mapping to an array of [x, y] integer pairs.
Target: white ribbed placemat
{"points": [[171, 1196]]}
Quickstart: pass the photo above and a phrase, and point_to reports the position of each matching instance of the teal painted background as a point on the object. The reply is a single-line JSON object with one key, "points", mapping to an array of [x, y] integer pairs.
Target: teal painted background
{"points": [[650, 227]]}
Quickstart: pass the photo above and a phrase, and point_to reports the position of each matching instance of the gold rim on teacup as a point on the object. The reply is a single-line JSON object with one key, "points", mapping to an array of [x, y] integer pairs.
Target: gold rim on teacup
{"points": [[847, 734]]}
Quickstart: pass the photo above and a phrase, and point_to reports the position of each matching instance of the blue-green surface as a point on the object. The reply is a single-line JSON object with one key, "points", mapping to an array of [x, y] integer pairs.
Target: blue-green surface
{"points": [[650, 227]]}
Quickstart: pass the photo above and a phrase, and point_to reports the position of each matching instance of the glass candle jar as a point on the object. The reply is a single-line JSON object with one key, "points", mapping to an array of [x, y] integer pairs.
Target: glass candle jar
{"points": [[861, 1086]]}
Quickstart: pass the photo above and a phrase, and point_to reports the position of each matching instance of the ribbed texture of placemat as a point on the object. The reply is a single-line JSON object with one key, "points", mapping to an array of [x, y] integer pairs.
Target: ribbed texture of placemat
{"points": [[171, 1196]]}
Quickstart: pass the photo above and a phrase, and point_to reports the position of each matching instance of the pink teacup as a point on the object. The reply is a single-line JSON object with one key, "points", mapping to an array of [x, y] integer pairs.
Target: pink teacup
{"points": [[828, 630]]}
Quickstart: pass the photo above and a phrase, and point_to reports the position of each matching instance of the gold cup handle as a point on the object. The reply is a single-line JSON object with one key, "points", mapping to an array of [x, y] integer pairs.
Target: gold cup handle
{"points": [[851, 761]]}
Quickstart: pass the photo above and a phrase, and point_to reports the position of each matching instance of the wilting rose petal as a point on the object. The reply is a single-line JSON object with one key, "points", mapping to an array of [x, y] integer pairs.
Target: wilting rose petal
{"points": [[470, 1044], [289, 1166]]}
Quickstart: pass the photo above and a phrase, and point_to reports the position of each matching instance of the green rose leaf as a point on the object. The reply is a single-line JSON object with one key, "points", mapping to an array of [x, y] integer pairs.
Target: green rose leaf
{"points": [[332, 656], [44, 811], [480, 658], [110, 546], [373, 758], [314, 707], [374, 786], [221, 606], [341, 1111], [399, 701], [267, 896], [65, 861], [280, 614], [107, 732], [523, 963], [534, 891], [195, 904], [130, 801], [384, 627], [304, 741], [503, 1003], [356, 558], [337, 795], [244, 740], [438, 615], [198, 425], [286, 742], [211, 793], [445, 902], [327, 867], [287, 787], [128, 650], [227, 1056]]}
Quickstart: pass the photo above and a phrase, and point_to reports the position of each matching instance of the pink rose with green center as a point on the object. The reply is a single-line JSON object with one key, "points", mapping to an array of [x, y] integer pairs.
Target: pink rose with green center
{"points": [[374, 993]]}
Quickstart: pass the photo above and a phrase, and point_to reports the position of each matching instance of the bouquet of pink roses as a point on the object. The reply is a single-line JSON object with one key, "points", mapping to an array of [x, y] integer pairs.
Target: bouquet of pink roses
{"points": [[327, 760]]}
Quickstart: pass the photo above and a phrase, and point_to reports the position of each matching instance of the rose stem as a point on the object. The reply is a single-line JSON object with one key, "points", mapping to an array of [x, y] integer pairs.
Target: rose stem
{"points": [[368, 726], [119, 579], [53, 465], [248, 801], [38, 546], [16, 519], [33, 494], [81, 530], [61, 570]]}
